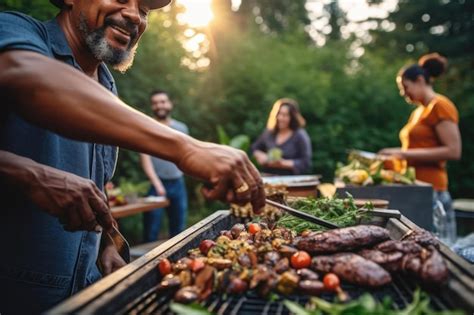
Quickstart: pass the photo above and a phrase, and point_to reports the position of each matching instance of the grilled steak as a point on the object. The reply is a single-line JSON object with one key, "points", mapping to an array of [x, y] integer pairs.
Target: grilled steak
{"points": [[422, 237], [434, 269], [352, 268], [409, 257], [389, 261], [400, 246], [340, 240]]}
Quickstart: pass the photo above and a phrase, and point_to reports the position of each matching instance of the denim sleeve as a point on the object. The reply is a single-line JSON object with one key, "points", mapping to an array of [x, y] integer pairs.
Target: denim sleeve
{"points": [[21, 32]]}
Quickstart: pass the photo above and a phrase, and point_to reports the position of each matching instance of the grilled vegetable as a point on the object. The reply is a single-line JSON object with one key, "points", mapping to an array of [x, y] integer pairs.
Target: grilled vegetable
{"points": [[331, 282], [254, 228], [300, 259], [206, 245], [164, 266]]}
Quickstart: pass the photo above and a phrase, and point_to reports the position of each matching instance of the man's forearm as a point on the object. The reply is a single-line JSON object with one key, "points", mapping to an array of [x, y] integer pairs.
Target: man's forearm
{"points": [[57, 97], [17, 171]]}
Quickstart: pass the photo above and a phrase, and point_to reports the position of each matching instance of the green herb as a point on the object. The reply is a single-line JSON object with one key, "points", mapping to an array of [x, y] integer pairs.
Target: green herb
{"points": [[342, 212], [191, 309], [367, 305], [273, 297]]}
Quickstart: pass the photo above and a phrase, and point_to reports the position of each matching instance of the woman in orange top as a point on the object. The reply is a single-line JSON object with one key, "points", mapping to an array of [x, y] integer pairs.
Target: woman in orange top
{"points": [[431, 136]]}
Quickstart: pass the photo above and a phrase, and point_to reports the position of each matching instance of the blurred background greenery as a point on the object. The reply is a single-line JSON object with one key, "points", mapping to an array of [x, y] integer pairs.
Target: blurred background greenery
{"points": [[225, 62]]}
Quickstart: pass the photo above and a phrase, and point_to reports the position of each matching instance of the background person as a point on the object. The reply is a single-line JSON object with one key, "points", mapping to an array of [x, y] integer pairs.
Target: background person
{"points": [[165, 177], [431, 135], [285, 133]]}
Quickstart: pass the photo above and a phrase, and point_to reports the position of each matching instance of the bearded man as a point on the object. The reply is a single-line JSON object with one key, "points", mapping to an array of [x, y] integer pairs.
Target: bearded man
{"points": [[59, 109]]}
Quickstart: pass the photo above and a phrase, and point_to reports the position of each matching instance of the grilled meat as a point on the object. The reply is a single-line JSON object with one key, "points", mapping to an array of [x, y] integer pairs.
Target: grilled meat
{"points": [[311, 287], [237, 229], [401, 246], [409, 257], [389, 261], [204, 282], [271, 258], [287, 251], [264, 280], [220, 263], [169, 283], [237, 286], [434, 268], [244, 260], [352, 268], [422, 237], [307, 274], [186, 295], [282, 265], [344, 239]]}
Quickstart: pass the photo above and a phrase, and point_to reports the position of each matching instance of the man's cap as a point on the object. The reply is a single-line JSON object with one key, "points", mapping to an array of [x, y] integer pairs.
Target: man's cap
{"points": [[154, 4]]}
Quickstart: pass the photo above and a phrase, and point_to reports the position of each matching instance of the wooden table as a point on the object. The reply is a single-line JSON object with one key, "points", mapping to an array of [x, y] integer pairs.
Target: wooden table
{"points": [[142, 205]]}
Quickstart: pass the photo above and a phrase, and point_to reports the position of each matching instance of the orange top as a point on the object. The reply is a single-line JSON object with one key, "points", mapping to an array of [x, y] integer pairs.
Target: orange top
{"points": [[420, 132]]}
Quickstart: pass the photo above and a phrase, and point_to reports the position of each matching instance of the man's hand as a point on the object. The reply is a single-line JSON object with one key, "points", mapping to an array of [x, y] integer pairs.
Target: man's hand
{"points": [[160, 189], [110, 259], [76, 201], [228, 173]]}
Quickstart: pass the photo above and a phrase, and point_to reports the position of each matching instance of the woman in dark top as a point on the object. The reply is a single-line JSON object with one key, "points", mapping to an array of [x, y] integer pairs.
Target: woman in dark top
{"points": [[284, 148]]}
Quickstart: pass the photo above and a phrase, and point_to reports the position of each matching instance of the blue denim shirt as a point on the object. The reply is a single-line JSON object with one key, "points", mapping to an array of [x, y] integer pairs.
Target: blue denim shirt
{"points": [[41, 262]]}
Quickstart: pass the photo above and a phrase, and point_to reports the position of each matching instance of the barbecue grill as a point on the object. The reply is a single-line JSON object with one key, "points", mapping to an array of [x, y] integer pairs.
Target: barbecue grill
{"points": [[132, 289]]}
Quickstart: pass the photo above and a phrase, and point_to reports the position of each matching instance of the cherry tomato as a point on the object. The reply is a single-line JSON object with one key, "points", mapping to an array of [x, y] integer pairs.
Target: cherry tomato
{"points": [[331, 282], [196, 264], [164, 266], [254, 228], [300, 259], [206, 245]]}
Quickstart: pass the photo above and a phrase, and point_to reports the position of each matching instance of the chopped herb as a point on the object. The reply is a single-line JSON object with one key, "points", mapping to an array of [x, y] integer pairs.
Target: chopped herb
{"points": [[342, 212]]}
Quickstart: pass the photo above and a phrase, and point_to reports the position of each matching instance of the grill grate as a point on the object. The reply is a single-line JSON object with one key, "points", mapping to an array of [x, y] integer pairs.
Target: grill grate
{"points": [[400, 290], [132, 290]]}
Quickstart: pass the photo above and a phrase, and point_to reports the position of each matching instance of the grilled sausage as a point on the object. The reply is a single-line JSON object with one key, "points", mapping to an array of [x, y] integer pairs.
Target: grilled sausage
{"points": [[344, 239], [434, 269], [311, 287], [186, 295], [352, 268]]}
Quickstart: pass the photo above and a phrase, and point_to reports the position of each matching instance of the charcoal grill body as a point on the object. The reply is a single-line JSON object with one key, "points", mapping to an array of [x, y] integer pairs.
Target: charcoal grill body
{"points": [[131, 290]]}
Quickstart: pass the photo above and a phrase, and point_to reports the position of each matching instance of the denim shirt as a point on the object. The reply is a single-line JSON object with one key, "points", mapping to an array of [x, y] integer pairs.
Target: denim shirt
{"points": [[41, 260]]}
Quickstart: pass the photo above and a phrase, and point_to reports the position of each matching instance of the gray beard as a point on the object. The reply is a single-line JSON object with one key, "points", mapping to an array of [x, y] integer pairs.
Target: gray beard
{"points": [[120, 60]]}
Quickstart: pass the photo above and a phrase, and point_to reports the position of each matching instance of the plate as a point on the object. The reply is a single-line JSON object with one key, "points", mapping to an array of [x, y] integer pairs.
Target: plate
{"points": [[293, 180]]}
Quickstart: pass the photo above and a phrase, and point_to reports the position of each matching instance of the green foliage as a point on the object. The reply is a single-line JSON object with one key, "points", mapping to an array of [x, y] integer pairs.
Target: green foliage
{"points": [[191, 309], [348, 103], [40, 9], [367, 305], [128, 187]]}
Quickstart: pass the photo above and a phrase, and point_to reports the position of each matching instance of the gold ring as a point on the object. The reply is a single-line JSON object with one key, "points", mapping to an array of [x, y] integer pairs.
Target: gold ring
{"points": [[242, 188]]}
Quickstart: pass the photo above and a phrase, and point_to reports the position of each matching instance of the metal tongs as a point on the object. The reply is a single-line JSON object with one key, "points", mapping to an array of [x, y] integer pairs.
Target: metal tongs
{"points": [[121, 244], [302, 215]]}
